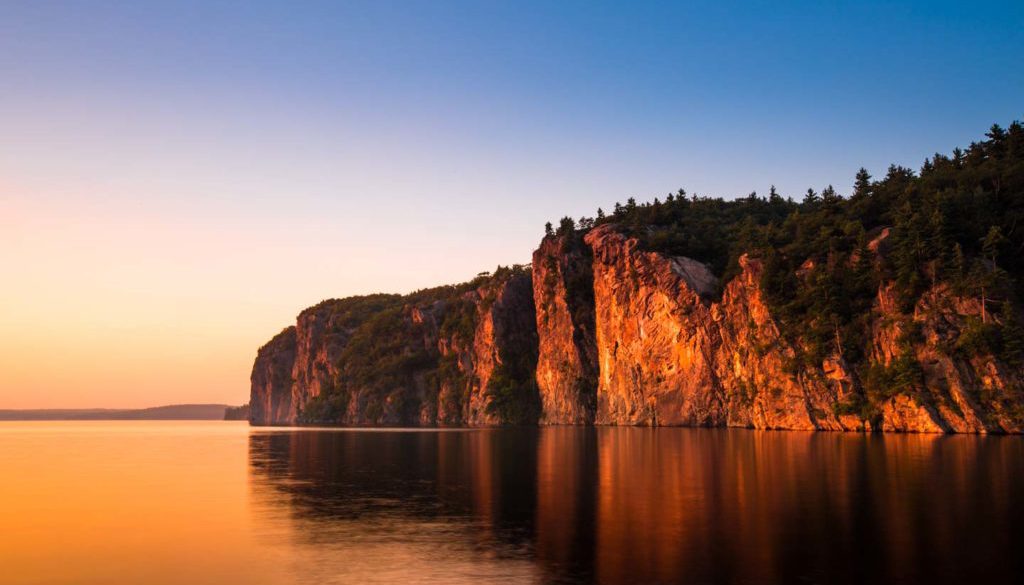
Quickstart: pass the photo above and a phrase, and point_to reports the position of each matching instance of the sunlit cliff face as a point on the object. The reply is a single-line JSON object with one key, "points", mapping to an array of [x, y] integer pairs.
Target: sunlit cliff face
{"points": [[615, 334]]}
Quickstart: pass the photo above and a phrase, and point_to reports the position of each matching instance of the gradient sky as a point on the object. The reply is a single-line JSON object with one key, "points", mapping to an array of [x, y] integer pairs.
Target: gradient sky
{"points": [[177, 181]]}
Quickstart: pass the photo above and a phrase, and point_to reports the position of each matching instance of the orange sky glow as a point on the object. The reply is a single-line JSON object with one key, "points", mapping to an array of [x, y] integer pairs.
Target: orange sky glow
{"points": [[179, 180]]}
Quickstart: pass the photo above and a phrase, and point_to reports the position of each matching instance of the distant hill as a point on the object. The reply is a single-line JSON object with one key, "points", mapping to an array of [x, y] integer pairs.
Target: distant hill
{"points": [[170, 412]]}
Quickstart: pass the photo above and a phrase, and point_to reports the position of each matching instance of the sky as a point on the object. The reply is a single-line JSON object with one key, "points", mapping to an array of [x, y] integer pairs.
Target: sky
{"points": [[178, 180]]}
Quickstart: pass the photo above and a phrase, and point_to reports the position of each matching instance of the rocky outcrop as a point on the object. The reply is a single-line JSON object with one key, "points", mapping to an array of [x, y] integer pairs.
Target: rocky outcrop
{"points": [[504, 355], [670, 355], [445, 356], [605, 331], [270, 401], [760, 369], [487, 345], [319, 339], [563, 292], [953, 391]]}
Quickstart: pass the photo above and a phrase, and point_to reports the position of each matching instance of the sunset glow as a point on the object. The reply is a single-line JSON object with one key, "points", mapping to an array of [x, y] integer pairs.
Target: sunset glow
{"points": [[171, 196]]}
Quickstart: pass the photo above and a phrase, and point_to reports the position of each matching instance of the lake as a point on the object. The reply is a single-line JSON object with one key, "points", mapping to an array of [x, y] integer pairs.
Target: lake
{"points": [[218, 502]]}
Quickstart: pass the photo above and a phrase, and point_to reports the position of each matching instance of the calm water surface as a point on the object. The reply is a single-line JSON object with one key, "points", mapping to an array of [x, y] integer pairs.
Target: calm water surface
{"points": [[171, 502]]}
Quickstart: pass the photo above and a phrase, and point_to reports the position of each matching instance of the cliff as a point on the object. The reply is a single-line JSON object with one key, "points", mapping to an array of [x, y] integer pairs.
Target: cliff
{"points": [[603, 331], [895, 309], [270, 400], [953, 389], [563, 291], [446, 356], [670, 355]]}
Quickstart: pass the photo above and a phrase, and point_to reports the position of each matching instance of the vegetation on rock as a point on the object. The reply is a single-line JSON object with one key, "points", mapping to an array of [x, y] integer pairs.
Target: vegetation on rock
{"points": [[400, 350], [958, 222], [898, 305]]}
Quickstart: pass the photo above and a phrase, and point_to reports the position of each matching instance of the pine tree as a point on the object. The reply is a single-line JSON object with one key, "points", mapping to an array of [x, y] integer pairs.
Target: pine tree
{"points": [[996, 141], [566, 227], [936, 245], [1012, 335], [862, 184], [991, 243], [991, 277], [830, 196], [959, 268], [811, 198]]}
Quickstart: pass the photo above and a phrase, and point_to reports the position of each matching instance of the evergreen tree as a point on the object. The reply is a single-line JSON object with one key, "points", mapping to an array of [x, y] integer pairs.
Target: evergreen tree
{"points": [[1012, 334], [959, 270], [862, 184], [566, 227], [990, 277], [991, 243], [830, 196], [811, 198]]}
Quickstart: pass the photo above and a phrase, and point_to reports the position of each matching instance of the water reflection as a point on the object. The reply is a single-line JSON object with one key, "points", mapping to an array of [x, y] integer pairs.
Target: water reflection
{"points": [[631, 505]]}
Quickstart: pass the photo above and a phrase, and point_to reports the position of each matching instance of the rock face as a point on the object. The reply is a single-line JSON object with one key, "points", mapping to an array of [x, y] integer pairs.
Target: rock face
{"points": [[670, 355], [504, 355], [446, 356], [954, 392], [270, 401], [487, 346], [603, 331], [563, 292]]}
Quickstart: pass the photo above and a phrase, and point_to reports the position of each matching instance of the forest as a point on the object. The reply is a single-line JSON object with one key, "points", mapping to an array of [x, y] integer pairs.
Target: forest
{"points": [[958, 221]]}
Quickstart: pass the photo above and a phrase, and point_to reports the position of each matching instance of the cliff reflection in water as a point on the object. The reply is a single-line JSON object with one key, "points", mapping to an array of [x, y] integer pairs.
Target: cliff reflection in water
{"points": [[633, 505]]}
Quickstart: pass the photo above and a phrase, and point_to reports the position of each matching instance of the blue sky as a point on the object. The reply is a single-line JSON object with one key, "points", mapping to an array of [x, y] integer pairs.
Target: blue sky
{"points": [[723, 96], [204, 170]]}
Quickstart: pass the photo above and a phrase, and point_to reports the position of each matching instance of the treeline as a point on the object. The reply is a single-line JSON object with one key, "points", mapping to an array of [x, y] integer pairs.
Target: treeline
{"points": [[958, 221], [237, 412]]}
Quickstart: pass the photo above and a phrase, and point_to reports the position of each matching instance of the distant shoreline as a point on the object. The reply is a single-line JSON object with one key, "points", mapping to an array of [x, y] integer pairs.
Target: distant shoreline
{"points": [[169, 412]]}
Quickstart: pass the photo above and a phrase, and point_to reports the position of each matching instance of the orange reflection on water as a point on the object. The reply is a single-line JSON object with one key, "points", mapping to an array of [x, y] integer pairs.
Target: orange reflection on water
{"points": [[126, 502], [157, 502]]}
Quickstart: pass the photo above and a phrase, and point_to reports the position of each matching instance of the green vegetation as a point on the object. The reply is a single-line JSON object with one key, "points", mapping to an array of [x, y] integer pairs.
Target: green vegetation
{"points": [[956, 224], [959, 222], [512, 395], [382, 358], [577, 275], [389, 361]]}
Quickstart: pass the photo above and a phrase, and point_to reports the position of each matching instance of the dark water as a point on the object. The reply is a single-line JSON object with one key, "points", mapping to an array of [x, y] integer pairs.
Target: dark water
{"points": [[196, 503], [570, 505]]}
